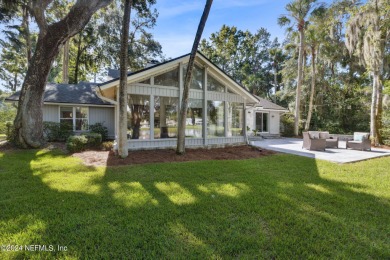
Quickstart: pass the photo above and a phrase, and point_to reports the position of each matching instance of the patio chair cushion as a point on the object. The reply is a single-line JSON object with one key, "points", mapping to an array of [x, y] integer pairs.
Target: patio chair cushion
{"points": [[324, 135], [314, 134], [360, 136]]}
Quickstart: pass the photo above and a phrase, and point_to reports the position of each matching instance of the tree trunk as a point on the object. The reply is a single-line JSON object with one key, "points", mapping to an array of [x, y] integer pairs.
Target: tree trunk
{"points": [[28, 121], [65, 63], [180, 149], [77, 64], [26, 32], [123, 149], [312, 91], [299, 81], [373, 129], [378, 113]]}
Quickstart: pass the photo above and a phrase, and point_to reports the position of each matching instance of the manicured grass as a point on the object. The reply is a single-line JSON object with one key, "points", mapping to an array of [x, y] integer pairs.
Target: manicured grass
{"points": [[281, 206]]}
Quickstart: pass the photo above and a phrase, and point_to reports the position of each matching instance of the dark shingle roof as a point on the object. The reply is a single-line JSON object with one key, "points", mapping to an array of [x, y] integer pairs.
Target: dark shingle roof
{"points": [[82, 93], [266, 104]]}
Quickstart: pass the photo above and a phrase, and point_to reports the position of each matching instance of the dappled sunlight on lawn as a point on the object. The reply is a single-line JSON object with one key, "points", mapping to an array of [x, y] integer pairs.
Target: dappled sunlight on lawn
{"points": [[176, 193], [274, 207], [131, 194], [318, 187], [22, 230], [228, 189]]}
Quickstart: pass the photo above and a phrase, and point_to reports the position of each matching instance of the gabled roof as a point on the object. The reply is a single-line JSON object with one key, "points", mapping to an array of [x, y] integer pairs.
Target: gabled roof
{"points": [[266, 104], [153, 69], [82, 93]]}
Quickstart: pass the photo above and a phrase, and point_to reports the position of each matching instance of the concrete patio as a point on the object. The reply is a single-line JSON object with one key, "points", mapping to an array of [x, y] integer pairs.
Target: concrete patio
{"points": [[340, 155]]}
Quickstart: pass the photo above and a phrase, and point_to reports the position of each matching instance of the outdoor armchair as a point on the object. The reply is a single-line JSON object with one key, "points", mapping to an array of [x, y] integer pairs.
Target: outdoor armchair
{"points": [[331, 142], [310, 143], [361, 141]]}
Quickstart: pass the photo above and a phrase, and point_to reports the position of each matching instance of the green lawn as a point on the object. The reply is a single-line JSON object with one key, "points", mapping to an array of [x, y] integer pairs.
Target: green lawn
{"points": [[280, 206]]}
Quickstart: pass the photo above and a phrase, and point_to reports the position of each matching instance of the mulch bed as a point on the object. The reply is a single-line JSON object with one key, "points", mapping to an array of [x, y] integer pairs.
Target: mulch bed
{"points": [[98, 158]]}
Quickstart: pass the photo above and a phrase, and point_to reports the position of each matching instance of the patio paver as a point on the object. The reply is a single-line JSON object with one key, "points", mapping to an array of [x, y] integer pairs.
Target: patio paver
{"points": [[337, 155]]}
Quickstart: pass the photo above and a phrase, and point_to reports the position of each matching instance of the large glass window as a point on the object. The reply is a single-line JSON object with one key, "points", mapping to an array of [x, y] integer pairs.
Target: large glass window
{"points": [[170, 78], [197, 77], [138, 120], [194, 123], [76, 118], [262, 122], [165, 117], [235, 119], [215, 118], [214, 85]]}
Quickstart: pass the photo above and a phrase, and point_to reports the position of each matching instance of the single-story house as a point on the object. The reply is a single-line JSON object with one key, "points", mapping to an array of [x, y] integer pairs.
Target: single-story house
{"points": [[219, 111], [78, 105]]}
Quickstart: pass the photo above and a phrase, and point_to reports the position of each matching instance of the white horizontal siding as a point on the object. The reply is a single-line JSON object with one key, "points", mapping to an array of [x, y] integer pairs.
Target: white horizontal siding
{"points": [[105, 115], [190, 142], [50, 113]]}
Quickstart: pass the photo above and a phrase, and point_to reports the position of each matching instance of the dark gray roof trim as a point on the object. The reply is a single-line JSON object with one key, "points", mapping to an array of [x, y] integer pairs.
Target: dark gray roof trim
{"points": [[82, 93]]}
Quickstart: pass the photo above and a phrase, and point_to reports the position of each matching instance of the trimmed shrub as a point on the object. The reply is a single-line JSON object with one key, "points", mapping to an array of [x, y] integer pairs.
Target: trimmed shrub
{"points": [[76, 143], [94, 140], [107, 146], [56, 131], [100, 129]]}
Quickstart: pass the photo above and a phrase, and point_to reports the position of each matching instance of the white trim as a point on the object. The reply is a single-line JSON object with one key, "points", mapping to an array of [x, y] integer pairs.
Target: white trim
{"points": [[174, 63], [74, 117], [104, 98], [268, 121], [152, 71]]}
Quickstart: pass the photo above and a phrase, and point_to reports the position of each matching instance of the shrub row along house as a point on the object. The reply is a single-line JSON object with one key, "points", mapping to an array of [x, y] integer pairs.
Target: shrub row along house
{"points": [[219, 113]]}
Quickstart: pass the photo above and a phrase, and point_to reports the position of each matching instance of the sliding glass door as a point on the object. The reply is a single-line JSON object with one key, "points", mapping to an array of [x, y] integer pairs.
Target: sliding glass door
{"points": [[262, 122]]}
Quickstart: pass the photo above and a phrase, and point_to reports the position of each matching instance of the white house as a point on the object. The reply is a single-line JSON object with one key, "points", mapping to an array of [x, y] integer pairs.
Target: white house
{"points": [[220, 109]]}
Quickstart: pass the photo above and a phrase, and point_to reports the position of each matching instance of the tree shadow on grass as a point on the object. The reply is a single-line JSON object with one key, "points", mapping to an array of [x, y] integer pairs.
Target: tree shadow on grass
{"points": [[274, 207]]}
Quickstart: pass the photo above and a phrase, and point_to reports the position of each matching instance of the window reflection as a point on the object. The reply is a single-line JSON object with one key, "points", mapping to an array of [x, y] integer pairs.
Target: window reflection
{"points": [[165, 117], [235, 119], [197, 77], [138, 123], [215, 118], [170, 78], [194, 123]]}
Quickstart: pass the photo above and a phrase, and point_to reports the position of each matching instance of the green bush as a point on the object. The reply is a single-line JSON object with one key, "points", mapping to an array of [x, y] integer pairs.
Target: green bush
{"points": [[76, 143], [385, 131], [11, 134], [94, 140], [57, 131], [287, 125], [100, 129]]}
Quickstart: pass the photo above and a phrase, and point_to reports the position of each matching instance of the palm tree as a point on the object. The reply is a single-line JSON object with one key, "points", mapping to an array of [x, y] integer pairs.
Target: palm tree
{"points": [[367, 34], [313, 41], [122, 135], [180, 149], [298, 10], [277, 58]]}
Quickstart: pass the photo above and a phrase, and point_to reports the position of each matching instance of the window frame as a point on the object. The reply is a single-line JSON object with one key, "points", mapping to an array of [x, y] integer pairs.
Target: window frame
{"points": [[74, 118]]}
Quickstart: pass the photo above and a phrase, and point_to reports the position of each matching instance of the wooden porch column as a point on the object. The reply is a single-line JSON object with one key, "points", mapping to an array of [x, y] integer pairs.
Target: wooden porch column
{"points": [[151, 117]]}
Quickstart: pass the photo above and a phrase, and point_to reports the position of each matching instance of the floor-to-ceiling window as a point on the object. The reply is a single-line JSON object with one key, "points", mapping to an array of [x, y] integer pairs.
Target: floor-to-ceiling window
{"points": [[235, 119], [215, 118], [165, 117], [138, 122], [194, 118]]}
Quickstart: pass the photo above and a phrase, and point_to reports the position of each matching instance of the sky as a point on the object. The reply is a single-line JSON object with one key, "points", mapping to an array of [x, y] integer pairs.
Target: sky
{"points": [[178, 20]]}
